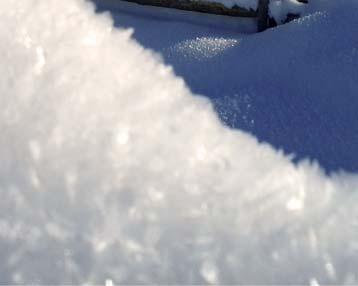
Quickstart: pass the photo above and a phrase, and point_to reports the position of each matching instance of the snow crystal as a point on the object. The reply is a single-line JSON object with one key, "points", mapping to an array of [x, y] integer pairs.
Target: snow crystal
{"points": [[204, 47], [112, 171]]}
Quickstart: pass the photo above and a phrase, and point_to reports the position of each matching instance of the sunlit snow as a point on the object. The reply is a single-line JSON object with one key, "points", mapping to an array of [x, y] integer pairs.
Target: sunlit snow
{"points": [[204, 47], [111, 170]]}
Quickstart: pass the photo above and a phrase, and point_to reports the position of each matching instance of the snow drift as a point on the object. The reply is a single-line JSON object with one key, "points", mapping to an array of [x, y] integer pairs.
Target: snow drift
{"points": [[110, 168], [294, 86]]}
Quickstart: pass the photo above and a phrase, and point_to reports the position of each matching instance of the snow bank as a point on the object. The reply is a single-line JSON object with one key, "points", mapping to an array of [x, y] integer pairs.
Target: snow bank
{"points": [[294, 86], [110, 168], [279, 9]]}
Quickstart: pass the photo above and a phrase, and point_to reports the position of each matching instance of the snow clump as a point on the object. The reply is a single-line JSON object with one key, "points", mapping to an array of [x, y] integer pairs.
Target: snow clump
{"points": [[112, 169]]}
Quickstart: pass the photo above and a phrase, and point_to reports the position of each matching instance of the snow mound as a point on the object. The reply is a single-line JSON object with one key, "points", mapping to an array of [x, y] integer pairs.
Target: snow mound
{"points": [[279, 9], [110, 168]]}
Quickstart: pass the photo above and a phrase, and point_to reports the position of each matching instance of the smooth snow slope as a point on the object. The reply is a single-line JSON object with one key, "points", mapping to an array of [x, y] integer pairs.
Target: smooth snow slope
{"points": [[294, 86], [111, 169]]}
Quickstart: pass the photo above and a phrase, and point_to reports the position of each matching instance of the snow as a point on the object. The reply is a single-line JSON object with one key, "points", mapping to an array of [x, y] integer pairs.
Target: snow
{"points": [[111, 170], [279, 9], [280, 86]]}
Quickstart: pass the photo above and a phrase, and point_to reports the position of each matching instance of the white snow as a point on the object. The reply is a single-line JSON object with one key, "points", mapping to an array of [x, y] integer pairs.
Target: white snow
{"points": [[279, 9], [204, 47], [111, 170]]}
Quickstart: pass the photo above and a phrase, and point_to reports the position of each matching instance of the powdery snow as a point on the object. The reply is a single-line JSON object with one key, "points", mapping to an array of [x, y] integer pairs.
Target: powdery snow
{"points": [[280, 85], [111, 169]]}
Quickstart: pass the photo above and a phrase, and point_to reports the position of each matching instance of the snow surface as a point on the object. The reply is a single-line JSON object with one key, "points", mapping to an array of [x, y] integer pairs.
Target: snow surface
{"points": [[280, 86], [112, 169]]}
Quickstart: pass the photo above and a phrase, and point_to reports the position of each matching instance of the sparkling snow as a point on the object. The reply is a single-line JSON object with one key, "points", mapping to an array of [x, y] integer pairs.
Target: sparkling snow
{"points": [[111, 170], [280, 86]]}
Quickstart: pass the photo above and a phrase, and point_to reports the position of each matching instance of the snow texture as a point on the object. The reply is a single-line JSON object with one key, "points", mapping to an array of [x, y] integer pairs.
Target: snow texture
{"points": [[294, 86], [112, 169]]}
